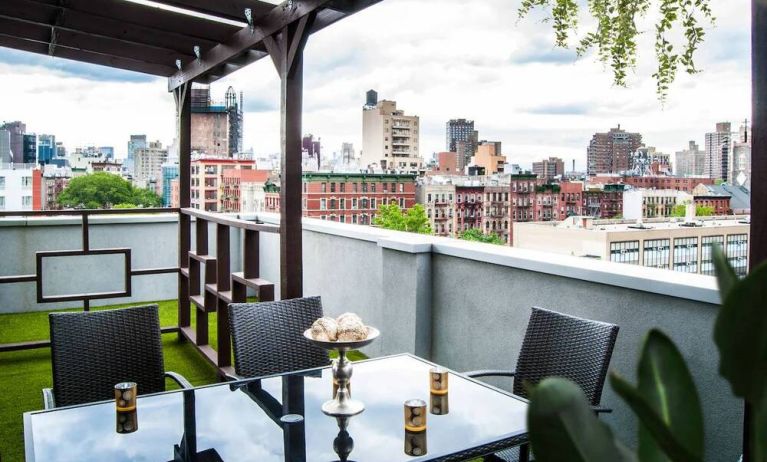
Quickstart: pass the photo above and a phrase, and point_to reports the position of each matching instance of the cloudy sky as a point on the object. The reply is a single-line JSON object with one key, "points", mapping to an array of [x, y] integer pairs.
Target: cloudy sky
{"points": [[439, 59]]}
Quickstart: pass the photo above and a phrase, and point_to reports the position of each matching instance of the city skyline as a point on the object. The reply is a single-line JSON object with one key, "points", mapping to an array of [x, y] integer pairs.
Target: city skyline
{"points": [[418, 65]]}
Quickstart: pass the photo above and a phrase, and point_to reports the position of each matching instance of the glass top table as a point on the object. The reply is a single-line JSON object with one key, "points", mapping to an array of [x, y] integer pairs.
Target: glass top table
{"points": [[279, 419]]}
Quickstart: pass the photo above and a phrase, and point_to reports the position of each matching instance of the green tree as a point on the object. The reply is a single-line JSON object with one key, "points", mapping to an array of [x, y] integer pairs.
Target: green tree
{"points": [[678, 33], [700, 211], [103, 190], [475, 234], [390, 216]]}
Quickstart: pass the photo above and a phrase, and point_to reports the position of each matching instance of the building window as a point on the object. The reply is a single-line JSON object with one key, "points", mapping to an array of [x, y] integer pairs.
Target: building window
{"points": [[343, 203], [26, 182], [393, 188], [323, 188], [657, 253], [332, 187], [343, 187], [737, 253], [354, 203], [686, 254], [364, 187], [323, 204], [332, 204], [2, 203], [2, 182], [707, 254], [343, 218], [354, 187], [625, 252], [373, 187], [354, 219], [402, 187], [373, 203], [26, 201], [402, 202]]}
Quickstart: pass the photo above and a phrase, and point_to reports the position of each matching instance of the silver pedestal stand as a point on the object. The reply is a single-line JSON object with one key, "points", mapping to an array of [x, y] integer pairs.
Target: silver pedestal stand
{"points": [[343, 405]]}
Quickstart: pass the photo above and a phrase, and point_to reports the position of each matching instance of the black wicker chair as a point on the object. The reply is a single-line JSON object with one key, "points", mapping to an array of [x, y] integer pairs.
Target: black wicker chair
{"points": [[93, 351], [267, 338], [557, 344]]}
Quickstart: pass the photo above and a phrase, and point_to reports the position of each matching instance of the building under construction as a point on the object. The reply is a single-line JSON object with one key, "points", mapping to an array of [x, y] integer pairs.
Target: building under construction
{"points": [[216, 126]]}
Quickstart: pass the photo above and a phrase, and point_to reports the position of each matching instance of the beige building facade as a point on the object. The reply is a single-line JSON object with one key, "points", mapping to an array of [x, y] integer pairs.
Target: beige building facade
{"points": [[148, 165], [438, 199], [210, 133], [489, 157], [665, 244], [390, 139]]}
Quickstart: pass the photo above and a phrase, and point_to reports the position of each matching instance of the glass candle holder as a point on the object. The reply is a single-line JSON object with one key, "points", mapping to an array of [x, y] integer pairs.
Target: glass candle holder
{"points": [[125, 396], [440, 404], [415, 415], [438, 381], [126, 422], [415, 443]]}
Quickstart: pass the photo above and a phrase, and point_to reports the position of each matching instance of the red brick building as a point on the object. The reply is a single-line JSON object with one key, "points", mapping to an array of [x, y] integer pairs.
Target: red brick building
{"points": [[447, 164], [677, 183], [355, 197], [468, 205], [570, 199], [603, 201], [547, 202]]}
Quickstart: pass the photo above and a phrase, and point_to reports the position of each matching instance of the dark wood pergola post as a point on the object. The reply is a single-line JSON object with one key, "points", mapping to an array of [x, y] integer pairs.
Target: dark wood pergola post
{"points": [[286, 50], [184, 132], [758, 241]]}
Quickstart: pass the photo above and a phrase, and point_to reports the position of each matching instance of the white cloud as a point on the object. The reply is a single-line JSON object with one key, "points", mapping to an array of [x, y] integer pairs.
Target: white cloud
{"points": [[438, 59]]}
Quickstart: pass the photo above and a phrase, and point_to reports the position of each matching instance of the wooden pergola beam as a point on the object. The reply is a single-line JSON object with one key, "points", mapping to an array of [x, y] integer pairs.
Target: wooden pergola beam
{"points": [[244, 40], [87, 57], [86, 23], [58, 37]]}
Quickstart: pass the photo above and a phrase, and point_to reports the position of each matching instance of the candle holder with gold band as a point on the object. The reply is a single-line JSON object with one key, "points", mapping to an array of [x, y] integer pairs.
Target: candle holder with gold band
{"points": [[342, 404]]}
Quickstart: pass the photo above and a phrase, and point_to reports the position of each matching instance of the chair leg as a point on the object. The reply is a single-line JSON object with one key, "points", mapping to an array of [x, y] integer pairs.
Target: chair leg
{"points": [[524, 453]]}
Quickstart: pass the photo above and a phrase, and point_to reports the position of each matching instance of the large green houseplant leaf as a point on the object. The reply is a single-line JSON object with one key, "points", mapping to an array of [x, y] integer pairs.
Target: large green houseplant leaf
{"points": [[563, 426]]}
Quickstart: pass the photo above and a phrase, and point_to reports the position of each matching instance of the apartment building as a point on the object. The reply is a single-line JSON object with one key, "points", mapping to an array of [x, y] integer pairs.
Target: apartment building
{"points": [[355, 197], [207, 185], [676, 244], [438, 198], [469, 198], [20, 187], [489, 157], [390, 139]]}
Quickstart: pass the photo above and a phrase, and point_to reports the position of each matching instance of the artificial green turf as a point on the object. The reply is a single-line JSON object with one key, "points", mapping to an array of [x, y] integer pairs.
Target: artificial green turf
{"points": [[23, 374]]}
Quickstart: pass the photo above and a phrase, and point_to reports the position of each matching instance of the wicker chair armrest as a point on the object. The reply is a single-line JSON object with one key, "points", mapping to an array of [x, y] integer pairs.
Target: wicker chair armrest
{"points": [[49, 401], [179, 379], [489, 373], [601, 410]]}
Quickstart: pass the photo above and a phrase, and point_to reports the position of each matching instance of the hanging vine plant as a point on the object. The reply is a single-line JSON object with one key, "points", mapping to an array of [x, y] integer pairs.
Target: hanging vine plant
{"points": [[615, 35]]}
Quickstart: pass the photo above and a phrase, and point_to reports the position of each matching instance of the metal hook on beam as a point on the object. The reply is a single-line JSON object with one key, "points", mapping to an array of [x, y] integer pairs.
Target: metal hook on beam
{"points": [[178, 64], [249, 18], [289, 5], [197, 53]]}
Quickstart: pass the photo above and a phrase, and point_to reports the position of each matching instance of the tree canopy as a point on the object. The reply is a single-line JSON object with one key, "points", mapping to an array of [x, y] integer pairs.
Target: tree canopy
{"points": [[476, 234], [390, 216], [103, 190], [615, 34], [700, 211]]}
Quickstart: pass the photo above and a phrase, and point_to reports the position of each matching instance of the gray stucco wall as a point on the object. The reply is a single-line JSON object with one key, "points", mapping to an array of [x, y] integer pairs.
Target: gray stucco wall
{"points": [[462, 305]]}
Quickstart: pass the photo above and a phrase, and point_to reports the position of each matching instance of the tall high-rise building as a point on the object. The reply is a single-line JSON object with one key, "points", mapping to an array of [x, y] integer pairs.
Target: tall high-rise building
{"points": [[16, 130], [6, 156], [347, 152], [46, 148], [461, 130], [216, 126], [390, 138], [148, 166], [311, 149], [718, 152], [610, 152], [740, 163], [170, 171], [136, 142], [29, 148], [549, 168], [691, 161]]}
